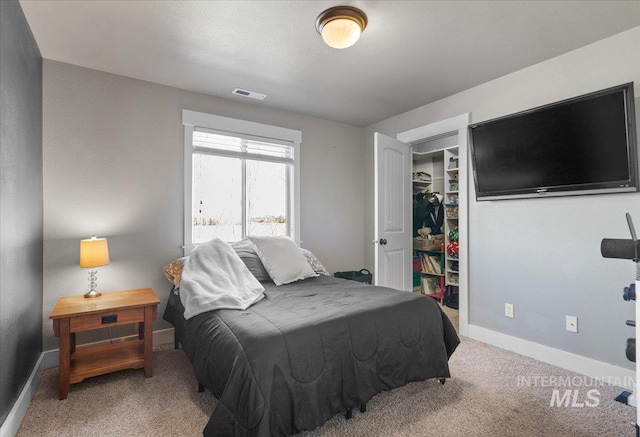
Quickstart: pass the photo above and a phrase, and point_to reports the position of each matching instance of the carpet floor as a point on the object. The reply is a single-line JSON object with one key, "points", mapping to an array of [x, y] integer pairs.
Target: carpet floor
{"points": [[484, 397]]}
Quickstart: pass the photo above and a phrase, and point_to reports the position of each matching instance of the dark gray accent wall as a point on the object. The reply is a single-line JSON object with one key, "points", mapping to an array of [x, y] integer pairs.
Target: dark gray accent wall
{"points": [[20, 203]]}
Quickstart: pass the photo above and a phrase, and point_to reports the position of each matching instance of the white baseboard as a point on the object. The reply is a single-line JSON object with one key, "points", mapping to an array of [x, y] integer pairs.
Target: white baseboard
{"points": [[12, 422], [47, 360], [163, 336], [566, 360]]}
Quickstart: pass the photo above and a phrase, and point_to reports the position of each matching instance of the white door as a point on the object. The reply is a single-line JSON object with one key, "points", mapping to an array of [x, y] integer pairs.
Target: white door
{"points": [[393, 214]]}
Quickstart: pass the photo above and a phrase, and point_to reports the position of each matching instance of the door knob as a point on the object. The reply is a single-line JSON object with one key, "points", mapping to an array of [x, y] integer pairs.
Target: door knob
{"points": [[383, 241]]}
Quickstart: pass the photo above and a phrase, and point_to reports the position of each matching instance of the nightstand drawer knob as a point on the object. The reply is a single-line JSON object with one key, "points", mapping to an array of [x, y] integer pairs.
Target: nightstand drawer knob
{"points": [[109, 319]]}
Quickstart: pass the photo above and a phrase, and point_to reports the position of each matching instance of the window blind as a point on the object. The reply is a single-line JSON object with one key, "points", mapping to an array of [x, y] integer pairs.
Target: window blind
{"points": [[208, 141]]}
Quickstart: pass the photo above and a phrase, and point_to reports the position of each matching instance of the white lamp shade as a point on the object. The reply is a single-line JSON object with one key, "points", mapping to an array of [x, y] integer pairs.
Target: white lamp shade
{"points": [[341, 33], [94, 252]]}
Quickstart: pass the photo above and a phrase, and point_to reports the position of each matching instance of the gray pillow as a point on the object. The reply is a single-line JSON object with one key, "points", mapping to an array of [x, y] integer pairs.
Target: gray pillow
{"points": [[250, 258], [282, 258]]}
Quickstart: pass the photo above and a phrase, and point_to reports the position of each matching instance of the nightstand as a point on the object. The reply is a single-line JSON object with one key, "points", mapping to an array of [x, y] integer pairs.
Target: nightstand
{"points": [[74, 314]]}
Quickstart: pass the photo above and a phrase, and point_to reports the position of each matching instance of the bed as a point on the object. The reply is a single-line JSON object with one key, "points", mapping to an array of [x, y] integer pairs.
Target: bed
{"points": [[309, 350]]}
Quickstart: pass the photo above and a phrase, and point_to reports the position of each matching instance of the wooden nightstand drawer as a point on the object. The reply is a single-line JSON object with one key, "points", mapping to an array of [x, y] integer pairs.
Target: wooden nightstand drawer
{"points": [[106, 319]]}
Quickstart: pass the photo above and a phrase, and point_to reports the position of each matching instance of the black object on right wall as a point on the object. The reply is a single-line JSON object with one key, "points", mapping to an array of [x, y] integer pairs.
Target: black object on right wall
{"points": [[630, 250]]}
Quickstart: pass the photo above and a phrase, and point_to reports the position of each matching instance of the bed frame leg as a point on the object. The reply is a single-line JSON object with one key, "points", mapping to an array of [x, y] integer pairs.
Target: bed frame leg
{"points": [[349, 413], [176, 343], [442, 381], [200, 388]]}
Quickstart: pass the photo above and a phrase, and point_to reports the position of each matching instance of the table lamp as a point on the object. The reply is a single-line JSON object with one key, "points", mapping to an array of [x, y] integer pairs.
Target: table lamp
{"points": [[94, 252]]}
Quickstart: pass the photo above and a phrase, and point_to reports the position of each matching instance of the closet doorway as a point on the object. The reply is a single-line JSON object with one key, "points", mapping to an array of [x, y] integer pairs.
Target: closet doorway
{"points": [[440, 220]]}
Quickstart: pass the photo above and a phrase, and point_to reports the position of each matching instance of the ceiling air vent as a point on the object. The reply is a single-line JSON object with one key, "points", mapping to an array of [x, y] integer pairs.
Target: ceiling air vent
{"points": [[250, 94]]}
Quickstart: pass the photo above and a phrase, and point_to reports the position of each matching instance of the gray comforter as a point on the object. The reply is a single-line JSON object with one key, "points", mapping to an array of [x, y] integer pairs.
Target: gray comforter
{"points": [[309, 350]]}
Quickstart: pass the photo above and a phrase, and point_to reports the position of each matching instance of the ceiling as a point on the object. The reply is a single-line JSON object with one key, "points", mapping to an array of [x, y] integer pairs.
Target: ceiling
{"points": [[411, 53]]}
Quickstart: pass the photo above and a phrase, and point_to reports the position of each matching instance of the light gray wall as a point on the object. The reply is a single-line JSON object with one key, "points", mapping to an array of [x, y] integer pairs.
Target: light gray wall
{"points": [[113, 166], [20, 204], [542, 255]]}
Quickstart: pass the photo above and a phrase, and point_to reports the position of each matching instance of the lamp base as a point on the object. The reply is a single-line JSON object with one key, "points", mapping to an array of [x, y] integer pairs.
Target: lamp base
{"points": [[92, 284]]}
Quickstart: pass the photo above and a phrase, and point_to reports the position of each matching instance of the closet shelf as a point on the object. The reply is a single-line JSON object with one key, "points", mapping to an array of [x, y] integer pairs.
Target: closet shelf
{"points": [[432, 273]]}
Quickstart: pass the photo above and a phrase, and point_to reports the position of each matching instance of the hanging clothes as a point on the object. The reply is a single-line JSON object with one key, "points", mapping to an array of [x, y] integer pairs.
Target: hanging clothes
{"points": [[420, 205], [434, 217]]}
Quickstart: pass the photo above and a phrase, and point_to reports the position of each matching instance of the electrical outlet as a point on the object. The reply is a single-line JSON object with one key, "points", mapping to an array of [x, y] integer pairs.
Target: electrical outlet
{"points": [[572, 324], [508, 310]]}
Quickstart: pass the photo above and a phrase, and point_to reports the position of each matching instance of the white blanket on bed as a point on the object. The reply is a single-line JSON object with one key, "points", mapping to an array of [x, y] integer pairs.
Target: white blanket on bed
{"points": [[214, 277]]}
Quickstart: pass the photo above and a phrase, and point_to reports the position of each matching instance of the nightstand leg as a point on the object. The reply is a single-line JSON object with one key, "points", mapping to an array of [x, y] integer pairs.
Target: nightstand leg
{"points": [[148, 341], [64, 359]]}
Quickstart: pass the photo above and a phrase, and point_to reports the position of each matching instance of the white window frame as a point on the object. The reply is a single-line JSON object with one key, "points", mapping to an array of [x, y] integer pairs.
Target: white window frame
{"points": [[241, 128]]}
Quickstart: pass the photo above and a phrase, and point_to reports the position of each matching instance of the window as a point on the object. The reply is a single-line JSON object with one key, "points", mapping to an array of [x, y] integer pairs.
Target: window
{"points": [[241, 178]]}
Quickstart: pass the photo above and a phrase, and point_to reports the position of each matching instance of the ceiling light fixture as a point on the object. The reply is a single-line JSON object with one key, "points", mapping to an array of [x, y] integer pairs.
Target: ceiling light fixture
{"points": [[341, 26]]}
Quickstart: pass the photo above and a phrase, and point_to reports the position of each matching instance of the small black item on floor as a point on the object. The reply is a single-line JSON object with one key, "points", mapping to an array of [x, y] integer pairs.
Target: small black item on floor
{"points": [[451, 297], [624, 397], [363, 275]]}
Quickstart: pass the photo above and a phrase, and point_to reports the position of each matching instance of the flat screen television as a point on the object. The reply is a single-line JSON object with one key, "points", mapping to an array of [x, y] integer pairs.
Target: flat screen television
{"points": [[583, 145]]}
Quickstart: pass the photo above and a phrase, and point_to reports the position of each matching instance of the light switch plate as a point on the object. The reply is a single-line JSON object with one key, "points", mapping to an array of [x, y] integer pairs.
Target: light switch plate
{"points": [[508, 310]]}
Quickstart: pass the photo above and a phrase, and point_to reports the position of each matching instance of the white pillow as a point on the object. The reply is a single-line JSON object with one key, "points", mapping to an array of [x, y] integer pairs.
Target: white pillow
{"points": [[282, 259]]}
